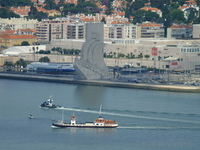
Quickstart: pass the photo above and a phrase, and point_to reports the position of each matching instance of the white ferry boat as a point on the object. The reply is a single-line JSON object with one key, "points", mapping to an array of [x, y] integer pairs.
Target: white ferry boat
{"points": [[98, 123]]}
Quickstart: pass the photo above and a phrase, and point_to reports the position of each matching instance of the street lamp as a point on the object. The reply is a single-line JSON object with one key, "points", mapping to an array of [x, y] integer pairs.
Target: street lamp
{"points": [[169, 59], [159, 57], [33, 52]]}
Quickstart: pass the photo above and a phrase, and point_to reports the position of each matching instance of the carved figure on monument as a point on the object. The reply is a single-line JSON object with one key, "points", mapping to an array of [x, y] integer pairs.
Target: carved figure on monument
{"points": [[91, 64]]}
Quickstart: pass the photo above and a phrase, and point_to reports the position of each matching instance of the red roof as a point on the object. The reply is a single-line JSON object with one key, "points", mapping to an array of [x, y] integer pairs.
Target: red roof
{"points": [[180, 26], [27, 30], [20, 37], [150, 25], [9, 32], [149, 8]]}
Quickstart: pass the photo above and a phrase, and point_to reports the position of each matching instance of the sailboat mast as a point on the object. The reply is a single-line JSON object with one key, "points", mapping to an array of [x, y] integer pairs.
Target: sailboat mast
{"points": [[62, 115], [100, 110]]}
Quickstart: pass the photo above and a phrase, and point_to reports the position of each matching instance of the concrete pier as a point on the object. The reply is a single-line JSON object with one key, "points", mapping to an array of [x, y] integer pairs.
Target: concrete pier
{"points": [[107, 83]]}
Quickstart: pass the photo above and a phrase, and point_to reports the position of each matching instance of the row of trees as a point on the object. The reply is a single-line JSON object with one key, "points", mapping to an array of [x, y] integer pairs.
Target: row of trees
{"points": [[5, 13], [86, 7], [121, 55], [65, 51], [16, 3], [22, 63], [170, 12], [19, 64]]}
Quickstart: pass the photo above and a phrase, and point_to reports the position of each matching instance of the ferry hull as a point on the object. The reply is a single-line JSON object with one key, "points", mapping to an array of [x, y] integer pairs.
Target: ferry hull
{"points": [[81, 126]]}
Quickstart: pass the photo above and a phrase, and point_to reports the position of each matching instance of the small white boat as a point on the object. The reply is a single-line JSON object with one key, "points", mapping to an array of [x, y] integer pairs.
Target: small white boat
{"points": [[30, 116], [98, 123]]}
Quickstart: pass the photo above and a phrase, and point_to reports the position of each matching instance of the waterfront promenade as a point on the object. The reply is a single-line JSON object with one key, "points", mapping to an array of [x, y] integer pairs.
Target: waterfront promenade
{"points": [[108, 83]]}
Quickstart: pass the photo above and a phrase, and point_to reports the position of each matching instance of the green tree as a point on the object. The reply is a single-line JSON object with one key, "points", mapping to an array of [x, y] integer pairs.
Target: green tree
{"points": [[192, 15], [151, 16], [103, 20], [89, 4], [167, 19], [21, 63], [159, 4], [132, 55], [50, 5], [44, 59], [66, 51], [177, 16], [109, 8], [140, 55], [127, 13], [8, 64], [181, 2], [16, 3], [77, 51], [142, 15], [146, 56], [198, 2], [81, 1], [61, 3], [25, 43], [138, 4], [139, 16], [32, 13], [5, 13], [44, 52], [41, 15], [121, 55], [67, 8]]}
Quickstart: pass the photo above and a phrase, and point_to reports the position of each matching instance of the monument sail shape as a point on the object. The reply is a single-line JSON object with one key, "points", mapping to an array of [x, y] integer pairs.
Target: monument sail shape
{"points": [[91, 64]]}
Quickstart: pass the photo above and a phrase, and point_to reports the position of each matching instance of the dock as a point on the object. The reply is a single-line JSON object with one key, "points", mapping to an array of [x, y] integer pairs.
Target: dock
{"points": [[106, 83]]}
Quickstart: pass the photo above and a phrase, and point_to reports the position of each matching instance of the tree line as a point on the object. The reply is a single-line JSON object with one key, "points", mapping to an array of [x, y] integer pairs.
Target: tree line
{"points": [[170, 12]]}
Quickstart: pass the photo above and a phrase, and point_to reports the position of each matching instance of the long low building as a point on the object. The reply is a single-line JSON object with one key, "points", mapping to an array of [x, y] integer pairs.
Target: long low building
{"points": [[51, 67], [16, 50], [147, 52]]}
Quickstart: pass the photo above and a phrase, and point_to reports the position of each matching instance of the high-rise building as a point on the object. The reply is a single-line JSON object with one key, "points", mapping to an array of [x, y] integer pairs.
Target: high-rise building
{"points": [[150, 30], [75, 31], [52, 29]]}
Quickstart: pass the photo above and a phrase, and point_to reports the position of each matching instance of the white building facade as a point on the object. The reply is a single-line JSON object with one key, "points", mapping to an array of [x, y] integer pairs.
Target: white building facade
{"points": [[17, 23]]}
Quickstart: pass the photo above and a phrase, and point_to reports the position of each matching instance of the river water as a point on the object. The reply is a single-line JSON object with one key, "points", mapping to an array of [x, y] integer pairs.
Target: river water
{"points": [[148, 120]]}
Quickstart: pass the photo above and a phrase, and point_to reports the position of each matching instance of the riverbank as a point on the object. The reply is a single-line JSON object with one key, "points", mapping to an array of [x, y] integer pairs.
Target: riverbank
{"points": [[64, 79]]}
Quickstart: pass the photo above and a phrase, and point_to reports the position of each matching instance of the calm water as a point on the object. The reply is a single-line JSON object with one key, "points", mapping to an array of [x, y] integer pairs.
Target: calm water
{"points": [[148, 120]]}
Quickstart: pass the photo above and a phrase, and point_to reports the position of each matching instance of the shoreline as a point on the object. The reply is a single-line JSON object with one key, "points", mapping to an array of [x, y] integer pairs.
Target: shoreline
{"points": [[171, 88]]}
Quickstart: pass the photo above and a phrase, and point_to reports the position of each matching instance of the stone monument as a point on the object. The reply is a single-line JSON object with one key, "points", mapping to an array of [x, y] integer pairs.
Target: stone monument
{"points": [[91, 64]]}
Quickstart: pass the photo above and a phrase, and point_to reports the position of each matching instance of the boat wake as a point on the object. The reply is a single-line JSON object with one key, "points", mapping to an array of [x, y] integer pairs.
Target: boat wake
{"points": [[158, 128], [131, 116]]}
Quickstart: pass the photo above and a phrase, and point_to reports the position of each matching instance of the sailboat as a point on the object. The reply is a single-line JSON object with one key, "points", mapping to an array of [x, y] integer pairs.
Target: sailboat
{"points": [[98, 123]]}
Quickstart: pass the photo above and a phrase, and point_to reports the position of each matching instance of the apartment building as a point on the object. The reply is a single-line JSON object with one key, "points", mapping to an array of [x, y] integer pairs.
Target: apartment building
{"points": [[75, 31], [116, 31], [17, 23], [196, 30], [179, 31], [150, 30], [48, 30]]}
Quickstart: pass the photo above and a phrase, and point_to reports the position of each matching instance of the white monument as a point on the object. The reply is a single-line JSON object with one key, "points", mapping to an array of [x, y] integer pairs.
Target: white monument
{"points": [[91, 64]]}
